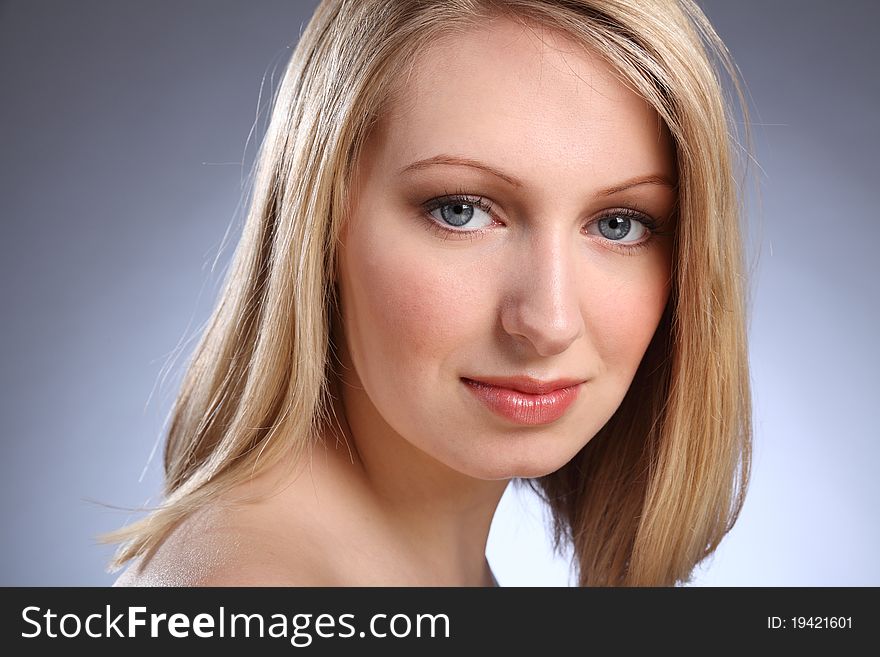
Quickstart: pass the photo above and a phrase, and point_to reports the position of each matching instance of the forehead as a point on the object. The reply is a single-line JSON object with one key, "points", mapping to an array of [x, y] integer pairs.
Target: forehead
{"points": [[528, 100]]}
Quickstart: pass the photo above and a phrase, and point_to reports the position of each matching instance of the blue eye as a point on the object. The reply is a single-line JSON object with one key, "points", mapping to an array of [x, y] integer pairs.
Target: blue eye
{"points": [[460, 211], [620, 224], [616, 225]]}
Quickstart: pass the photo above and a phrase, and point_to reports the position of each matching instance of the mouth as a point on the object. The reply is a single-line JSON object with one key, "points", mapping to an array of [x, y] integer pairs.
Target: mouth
{"points": [[524, 400]]}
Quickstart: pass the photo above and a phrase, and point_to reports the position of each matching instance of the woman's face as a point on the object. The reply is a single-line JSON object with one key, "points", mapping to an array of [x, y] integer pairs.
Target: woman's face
{"points": [[545, 269]]}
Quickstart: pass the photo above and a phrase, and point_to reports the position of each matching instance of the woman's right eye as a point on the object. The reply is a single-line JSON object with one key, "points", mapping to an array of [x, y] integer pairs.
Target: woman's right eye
{"points": [[460, 212]]}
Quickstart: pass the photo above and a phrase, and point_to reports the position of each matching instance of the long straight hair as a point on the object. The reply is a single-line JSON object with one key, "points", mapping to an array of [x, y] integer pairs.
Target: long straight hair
{"points": [[655, 491]]}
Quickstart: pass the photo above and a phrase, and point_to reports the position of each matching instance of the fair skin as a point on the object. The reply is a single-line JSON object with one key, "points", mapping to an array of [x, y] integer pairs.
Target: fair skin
{"points": [[406, 495]]}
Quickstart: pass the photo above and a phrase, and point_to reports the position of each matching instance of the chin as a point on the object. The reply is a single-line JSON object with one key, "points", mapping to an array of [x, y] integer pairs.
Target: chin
{"points": [[515, 467], [534, 471]]}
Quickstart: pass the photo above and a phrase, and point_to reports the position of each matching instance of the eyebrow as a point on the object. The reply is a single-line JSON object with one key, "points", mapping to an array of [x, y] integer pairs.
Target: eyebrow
{"points": [[451, 160]]}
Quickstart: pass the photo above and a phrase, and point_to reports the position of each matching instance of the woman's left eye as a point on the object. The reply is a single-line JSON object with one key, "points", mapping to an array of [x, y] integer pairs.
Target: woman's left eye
{"points": [[460, 212], [618, 225]]}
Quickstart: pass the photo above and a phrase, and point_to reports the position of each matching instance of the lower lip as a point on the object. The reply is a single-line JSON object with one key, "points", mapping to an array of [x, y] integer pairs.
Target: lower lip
{"points": [[523, 407]]}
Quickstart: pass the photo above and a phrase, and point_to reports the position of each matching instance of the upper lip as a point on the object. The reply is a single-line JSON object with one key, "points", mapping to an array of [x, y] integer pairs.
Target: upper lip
{"points": [[526, 383]]}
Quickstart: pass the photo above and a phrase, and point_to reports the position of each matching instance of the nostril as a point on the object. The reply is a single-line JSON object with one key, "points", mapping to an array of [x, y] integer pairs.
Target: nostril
{"points": [[548, 328]]}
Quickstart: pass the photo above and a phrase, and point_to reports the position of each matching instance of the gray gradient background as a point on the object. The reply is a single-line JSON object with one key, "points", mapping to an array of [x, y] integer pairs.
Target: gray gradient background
{"points": [[123, 147]]}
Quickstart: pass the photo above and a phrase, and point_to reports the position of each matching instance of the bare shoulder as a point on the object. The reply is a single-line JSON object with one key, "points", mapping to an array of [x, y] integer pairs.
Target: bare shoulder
{"points": [[223, 546]]}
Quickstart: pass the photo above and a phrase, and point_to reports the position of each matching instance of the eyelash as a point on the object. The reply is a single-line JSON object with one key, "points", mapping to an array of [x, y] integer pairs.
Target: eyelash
{"points": [[632, 212]]}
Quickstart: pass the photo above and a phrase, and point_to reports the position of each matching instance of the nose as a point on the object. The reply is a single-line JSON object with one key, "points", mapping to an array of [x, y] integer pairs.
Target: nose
{"points": [[543, 303]]}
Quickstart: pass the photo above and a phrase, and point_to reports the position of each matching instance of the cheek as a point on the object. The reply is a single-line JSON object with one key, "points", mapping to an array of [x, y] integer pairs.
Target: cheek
{"points": [[625, 315], [405, 308]]}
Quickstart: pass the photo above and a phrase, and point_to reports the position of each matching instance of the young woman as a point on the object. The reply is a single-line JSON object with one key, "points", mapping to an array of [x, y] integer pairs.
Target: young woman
{"points": [[489, 241]]}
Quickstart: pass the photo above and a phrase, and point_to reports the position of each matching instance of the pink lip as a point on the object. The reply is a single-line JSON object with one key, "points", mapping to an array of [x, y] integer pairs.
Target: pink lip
{"points": [[540, 403]]}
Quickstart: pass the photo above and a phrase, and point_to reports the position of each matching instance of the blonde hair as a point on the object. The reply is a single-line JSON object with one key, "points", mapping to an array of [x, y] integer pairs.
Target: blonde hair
{"points": [[655, 491]]}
